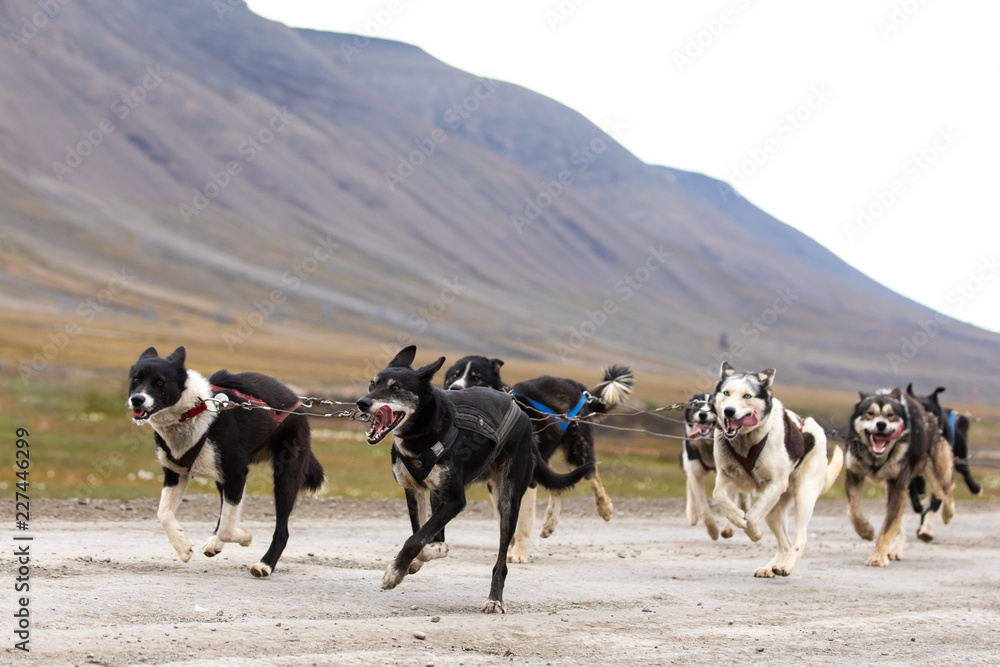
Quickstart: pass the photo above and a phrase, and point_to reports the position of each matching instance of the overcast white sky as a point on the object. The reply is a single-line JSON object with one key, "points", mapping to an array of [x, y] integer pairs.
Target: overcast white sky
{"points": [[811, 110]]}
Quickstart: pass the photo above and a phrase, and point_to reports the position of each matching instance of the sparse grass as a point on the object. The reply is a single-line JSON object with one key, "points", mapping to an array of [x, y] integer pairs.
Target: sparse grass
{"points": [[84, 444]]}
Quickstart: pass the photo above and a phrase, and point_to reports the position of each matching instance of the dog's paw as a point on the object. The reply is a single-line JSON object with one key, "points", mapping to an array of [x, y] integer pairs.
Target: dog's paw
{"points": [[728, 531], [754, 532], [781, 570], [549, 526], [766, 572], [261, 570], [877, 560], [494, 607], [244, 537], [415, 566], [865, 532], [392, 577], [925, 533], [213, 546], [605, 508], [185, 551], [713, 529], [433, 551], [517, 555]]}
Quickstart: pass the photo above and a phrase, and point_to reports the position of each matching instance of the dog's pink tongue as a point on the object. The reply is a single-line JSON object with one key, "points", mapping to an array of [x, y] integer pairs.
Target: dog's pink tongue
{"points": [[699, 429], [879, 442], [749, 420], [382, 418]]}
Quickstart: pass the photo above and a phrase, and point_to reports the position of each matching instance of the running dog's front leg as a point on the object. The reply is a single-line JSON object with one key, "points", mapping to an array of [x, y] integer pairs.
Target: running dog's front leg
{"points": [[895, 505], [854, 484], [723, 494], [452, 502], [174, 486], [769, 496]]}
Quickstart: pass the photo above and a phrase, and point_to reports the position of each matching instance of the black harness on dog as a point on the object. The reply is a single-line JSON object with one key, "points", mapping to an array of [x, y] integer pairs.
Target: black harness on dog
{"points": [[482, 420]]}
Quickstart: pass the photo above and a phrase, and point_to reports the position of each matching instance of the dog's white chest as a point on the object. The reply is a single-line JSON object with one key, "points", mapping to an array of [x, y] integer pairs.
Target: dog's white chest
{"points": [[406, 479]]}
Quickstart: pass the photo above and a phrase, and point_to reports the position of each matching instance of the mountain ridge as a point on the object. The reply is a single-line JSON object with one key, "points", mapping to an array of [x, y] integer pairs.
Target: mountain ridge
{"points": [[327, 135]]}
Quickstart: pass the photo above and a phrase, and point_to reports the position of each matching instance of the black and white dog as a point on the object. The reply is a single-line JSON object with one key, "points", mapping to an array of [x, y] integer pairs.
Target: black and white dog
{"points": [[542, 398], [892, 439], [698, 460], [193, 439], [761, 446], [443, 441]]}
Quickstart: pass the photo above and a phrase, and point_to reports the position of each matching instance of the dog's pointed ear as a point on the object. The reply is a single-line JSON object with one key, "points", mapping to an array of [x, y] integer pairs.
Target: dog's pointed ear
{"points": [[909, 390], [934, 394], [895, 394], [404, 357], [726, 370], [150, 353], [177, 356], [766, 376], [426, 373], [497, 363], [863, 395]]}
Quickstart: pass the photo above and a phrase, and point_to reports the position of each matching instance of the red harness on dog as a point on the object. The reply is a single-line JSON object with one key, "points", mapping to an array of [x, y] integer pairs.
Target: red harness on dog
{"points": [[190, 455]]}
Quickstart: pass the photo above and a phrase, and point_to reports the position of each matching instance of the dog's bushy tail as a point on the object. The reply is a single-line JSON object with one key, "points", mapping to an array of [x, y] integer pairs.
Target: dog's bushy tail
{"points": [[551, 479], [613, 389], [836, 462], [315, 476]]}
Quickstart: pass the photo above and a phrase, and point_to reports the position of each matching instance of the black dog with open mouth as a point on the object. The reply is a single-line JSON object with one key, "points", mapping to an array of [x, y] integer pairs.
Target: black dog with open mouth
{"points": [[443, 441]]}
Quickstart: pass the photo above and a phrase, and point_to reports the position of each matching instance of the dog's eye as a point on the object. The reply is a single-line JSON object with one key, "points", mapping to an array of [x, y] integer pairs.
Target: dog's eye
{"points": [[394, 387], [474, 374], [747, 396], [371, 385], [135, 380], [725, 393], [159, 383]]}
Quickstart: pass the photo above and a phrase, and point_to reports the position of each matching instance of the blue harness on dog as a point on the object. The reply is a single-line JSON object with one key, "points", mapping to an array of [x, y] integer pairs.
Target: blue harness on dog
{"points": [[544, 409], [951, 428]]}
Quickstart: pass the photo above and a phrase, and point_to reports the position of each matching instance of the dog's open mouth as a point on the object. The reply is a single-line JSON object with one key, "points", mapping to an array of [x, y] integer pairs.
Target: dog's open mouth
{"points": [[700, 429], [731, 427], [880, 441], [383, 421], [139, 415]]}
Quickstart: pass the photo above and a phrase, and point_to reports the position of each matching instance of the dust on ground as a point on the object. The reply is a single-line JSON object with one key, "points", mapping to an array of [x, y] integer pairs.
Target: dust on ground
{"points": [[107, 589]]}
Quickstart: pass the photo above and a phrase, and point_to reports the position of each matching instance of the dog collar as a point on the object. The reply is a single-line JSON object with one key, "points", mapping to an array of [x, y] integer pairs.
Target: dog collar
{"points": [[195, 411], [750, 460]]}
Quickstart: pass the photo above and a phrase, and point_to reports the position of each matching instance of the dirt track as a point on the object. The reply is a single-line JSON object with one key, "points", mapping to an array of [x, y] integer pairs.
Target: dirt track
{"points": [[107, 589]]}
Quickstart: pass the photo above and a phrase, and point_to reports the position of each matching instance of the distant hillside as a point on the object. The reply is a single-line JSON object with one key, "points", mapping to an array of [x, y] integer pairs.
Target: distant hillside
{"points": [[232, 166]]}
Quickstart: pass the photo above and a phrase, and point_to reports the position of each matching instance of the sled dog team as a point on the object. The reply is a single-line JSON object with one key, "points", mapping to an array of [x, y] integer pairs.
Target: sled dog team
{"points": [[477, 429]]}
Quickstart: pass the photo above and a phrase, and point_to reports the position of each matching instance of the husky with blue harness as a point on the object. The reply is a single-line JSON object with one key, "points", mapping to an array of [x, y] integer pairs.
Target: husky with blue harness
{"points": [[555, 406], [955, 430], [443, 441]]}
